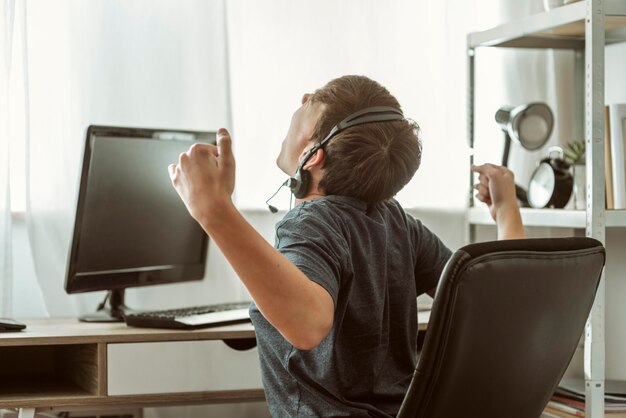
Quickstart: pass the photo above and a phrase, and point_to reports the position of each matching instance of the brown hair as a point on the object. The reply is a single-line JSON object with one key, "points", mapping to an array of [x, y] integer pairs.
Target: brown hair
{"points": [[371, 162]]}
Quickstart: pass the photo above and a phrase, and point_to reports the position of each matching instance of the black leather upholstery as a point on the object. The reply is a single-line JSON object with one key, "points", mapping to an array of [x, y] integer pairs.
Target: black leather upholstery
{"points": [[506, 320]]}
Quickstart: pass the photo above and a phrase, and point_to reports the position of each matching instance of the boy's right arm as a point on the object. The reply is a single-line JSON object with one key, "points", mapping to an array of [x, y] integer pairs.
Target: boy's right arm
{"points": [[300, 309]]}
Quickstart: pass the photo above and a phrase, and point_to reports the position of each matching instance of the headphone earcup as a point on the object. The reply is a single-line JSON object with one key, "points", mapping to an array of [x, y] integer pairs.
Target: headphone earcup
{"points": [[299, 183]]}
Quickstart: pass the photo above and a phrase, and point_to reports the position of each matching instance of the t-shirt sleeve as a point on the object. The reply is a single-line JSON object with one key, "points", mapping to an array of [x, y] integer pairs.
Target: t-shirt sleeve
{"points": [[313, 247], [431, 258]]}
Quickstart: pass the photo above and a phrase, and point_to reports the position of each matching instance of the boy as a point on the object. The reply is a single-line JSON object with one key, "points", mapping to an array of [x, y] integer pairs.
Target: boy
{"points": [[335, 302]]}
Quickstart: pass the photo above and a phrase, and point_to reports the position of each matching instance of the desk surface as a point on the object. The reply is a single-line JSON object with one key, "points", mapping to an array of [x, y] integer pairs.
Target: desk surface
{"points": [[71, 331], [44, 331]]}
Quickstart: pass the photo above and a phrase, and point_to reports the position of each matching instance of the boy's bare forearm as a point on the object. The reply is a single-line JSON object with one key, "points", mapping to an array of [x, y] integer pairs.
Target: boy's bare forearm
{"points": [[301, 310], [509, 222]]}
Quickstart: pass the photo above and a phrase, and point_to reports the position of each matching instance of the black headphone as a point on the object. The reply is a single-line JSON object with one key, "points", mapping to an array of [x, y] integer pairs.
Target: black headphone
{"points": [[299, 183]]}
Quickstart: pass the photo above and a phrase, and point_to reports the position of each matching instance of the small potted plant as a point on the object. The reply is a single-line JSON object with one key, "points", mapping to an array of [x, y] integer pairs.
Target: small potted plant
{"points": [[574, 152]]}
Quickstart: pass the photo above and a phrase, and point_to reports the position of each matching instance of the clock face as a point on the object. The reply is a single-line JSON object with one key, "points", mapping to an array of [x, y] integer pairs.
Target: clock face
{"points": [[541, 187]]}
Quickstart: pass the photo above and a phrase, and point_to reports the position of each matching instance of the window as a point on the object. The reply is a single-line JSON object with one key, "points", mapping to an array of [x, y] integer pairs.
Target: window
{"points": [[17, 121]]}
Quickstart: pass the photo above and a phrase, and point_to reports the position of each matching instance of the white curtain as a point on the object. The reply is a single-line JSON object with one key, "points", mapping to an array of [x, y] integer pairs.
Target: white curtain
{"points": [[7, 13], [142, 63]]}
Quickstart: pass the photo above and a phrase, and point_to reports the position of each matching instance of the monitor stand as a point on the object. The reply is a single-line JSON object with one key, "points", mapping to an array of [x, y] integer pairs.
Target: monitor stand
{"points": [[114, 312]]}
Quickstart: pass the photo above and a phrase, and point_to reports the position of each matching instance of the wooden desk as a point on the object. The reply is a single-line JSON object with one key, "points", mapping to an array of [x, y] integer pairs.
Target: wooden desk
{"points": [[62, 363]]}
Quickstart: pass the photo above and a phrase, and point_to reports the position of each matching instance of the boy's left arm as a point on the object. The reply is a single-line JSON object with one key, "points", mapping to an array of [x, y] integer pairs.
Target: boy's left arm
{"points": [[496, 188]]}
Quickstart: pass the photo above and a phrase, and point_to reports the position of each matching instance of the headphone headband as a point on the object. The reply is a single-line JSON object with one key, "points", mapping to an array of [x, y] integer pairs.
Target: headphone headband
{"points": [[300, 182], [363, 116], [351, 120]]}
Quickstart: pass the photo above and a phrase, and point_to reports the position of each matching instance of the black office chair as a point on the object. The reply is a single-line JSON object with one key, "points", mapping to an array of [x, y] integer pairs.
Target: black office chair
{"points": [[506, 320]]}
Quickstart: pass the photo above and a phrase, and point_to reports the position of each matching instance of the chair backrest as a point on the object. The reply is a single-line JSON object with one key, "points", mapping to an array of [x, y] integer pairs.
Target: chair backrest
{"points": [[506, 320]]}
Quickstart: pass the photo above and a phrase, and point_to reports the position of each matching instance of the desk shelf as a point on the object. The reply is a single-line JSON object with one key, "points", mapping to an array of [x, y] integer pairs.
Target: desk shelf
{"points": [[49, 371], [17, 389]]}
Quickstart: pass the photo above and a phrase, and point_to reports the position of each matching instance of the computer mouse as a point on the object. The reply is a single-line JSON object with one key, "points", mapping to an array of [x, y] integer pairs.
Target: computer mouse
{"points": [[8, 324]]}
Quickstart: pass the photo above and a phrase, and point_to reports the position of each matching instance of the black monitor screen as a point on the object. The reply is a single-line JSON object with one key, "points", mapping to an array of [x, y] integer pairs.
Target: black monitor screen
{"points": [[131, 228]]}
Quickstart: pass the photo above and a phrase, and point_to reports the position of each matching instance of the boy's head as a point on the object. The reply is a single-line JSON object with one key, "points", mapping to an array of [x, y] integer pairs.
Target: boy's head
{"points": [[373, 161]]}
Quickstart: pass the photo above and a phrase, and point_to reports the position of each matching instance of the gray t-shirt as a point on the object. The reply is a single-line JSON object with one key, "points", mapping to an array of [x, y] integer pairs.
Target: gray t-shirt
{"points": [[374, 261]]}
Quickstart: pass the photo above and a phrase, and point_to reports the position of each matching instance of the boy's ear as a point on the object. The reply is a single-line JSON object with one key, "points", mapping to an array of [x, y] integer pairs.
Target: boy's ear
{"points": [[316, 160]]}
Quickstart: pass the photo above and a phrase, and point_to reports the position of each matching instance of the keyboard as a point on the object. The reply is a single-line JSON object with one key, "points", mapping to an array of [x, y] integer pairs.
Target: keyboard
{"points": [[191, 317]]}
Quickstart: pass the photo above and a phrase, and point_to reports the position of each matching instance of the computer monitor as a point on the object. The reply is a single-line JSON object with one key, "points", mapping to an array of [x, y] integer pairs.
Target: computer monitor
{"points": [[131, 228]]}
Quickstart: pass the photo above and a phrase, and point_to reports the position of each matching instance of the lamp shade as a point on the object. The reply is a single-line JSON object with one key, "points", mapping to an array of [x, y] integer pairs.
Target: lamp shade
{"points": [[529, 125]]}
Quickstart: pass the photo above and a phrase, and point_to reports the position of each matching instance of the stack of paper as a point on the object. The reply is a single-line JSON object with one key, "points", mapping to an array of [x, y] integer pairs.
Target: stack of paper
{"points": [[569, 399]]}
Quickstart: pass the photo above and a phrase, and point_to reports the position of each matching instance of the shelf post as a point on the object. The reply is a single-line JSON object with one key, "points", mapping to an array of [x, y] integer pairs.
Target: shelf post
{"points": [[579, 94], [594, 358], [471, 229]]}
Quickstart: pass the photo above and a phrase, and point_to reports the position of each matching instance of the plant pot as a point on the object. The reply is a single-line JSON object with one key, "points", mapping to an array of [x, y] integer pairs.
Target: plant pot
{"points": [[551, 4]]}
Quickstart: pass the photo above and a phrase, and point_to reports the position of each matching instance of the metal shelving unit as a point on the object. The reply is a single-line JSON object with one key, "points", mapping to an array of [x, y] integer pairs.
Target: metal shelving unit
{"points": [[585, 27]]}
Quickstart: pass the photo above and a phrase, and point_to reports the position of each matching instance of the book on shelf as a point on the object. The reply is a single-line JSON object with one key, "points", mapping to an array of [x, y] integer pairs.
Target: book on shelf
{"points": [[569, 399], [608, 171], [617, 139], [557, 409]]}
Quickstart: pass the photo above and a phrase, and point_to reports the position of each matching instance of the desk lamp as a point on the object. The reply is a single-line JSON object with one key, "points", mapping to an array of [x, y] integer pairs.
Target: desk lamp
{"points": [[530, 126]]}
